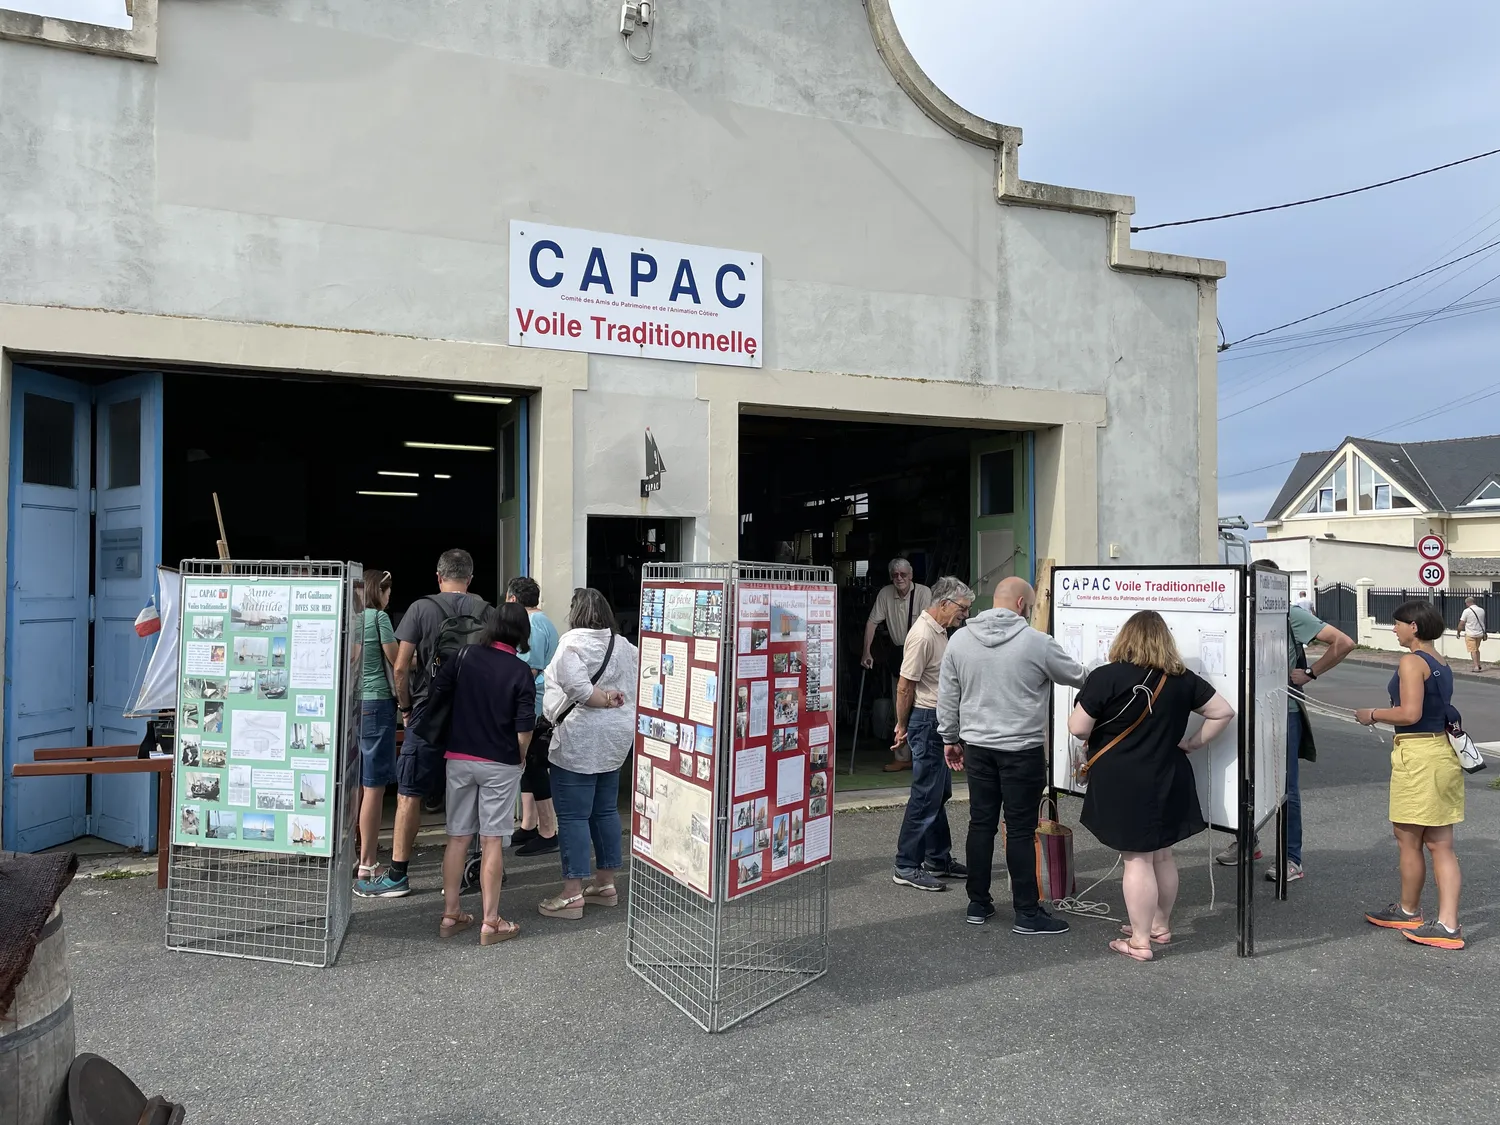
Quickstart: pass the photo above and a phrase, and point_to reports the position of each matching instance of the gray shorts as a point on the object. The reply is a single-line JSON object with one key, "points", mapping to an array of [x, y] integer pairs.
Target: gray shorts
{"points": [[482, 797]]}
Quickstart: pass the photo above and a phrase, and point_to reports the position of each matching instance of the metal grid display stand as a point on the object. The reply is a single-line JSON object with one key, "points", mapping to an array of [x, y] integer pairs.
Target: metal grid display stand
{"points": [[266, 906], [721, 961]]}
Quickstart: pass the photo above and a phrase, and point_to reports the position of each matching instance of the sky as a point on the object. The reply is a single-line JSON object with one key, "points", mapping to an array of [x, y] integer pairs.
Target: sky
{"points": [[110, 13], [1199, 109]]}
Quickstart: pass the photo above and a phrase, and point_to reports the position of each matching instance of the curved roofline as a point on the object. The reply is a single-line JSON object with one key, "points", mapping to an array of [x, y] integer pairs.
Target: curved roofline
{"points": [[1006, 141]]}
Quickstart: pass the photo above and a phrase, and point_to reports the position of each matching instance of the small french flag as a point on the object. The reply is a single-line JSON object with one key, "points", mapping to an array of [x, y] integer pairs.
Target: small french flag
{"points": [[149, 621]]}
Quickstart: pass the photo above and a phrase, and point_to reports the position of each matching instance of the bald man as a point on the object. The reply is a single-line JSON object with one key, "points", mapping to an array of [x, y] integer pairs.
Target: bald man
{"points": [[992, 710]]}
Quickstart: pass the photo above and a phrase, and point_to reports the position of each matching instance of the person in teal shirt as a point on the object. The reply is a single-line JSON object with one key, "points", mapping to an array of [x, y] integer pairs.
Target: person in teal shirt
{"points": [[377, 715], [538, 831]]}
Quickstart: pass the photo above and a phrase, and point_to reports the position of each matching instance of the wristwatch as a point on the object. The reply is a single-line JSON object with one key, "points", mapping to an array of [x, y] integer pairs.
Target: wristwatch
{"points": [[1311, 675]]}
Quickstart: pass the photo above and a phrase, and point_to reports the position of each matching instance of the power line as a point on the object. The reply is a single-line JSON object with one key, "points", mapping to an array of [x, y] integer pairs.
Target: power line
{"points": [[1341, 333], [1257, 469], [1351, 359], [1319, 198], [1361, 297], [1468, 399]]}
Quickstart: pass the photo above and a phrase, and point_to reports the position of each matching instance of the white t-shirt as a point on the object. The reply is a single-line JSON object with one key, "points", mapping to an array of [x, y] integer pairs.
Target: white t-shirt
{"points": [[1472, 619]]}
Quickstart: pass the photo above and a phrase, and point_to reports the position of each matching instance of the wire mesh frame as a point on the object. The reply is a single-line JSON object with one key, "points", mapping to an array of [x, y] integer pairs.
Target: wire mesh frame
{"points": [[722, 961], [267, 906]]}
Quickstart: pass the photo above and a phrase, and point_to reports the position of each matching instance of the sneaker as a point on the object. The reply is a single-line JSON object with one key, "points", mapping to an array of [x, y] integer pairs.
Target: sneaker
{"points": [[979, 913], [1038, 924], [522, 836], [916, 877], [1394, 917], [538, 846], [951, 870], [1293, 872], [383, 887], [1230, 856], [1437, 935], [432, 804]]}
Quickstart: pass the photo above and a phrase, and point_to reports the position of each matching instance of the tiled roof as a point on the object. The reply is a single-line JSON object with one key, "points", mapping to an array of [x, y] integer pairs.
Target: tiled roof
{"points": [[1439, 475]]}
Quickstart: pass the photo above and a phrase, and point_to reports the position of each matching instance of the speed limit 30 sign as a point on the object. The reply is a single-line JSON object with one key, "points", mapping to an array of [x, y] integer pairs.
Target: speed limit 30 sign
{"points": [[1431, 548], [1432, 574]]}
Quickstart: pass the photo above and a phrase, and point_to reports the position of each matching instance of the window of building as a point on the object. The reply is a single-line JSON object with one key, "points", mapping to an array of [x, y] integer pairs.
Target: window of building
{"points": [[1331, 496], [1376, 493], [1489, 494]]}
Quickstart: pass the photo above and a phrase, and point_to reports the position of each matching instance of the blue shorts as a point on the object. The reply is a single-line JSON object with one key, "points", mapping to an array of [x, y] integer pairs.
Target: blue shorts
{"points": [[377, 743], [419, 766]]}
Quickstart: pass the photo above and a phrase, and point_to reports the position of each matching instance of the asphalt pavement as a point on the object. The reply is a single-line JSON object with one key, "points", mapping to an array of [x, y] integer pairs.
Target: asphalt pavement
{"points": [[921, 1016]]}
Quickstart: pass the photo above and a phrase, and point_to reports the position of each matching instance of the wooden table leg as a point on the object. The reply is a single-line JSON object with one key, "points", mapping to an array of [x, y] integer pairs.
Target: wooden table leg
{"points": [[163, 826]]}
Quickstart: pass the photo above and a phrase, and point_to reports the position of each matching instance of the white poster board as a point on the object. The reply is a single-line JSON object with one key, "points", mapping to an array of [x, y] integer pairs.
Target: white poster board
{"points": [[1272, 604], [1203, 608]]}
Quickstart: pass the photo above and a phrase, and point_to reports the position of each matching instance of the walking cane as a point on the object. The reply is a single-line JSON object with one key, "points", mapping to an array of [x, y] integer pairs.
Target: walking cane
{"points": [[859, 706]]}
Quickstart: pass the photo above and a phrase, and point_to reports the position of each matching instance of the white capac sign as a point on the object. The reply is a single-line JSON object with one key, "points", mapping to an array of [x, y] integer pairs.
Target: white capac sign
{"points": [[583, 291]]}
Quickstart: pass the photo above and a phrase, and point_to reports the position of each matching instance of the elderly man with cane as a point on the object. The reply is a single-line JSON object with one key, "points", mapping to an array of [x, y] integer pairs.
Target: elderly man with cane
{"points": [[896, 608]]}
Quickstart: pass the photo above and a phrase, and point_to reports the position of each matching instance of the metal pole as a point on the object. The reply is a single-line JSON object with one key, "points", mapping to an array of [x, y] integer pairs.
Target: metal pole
{"points": [[1244, 873], [859, 706], [1281, 827]]}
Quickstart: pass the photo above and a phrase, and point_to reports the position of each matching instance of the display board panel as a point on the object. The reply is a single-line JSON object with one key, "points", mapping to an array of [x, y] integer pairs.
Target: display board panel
{"points": [[673, 814], [1203, 609], [1272, 658], [258, 716], [781, 764]]}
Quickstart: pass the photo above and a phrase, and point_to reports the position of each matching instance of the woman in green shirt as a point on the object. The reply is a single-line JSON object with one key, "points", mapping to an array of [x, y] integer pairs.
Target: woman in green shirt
{"points": [[377, 716]]}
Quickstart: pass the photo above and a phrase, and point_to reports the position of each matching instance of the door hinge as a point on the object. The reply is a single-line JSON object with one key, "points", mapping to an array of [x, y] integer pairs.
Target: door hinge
{"points": [[91, 718], [93, 501], [91, 609]]}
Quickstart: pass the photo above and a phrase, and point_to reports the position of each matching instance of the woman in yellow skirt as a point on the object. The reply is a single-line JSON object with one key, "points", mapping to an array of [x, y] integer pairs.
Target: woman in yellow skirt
{"points": [[1427, 783]]}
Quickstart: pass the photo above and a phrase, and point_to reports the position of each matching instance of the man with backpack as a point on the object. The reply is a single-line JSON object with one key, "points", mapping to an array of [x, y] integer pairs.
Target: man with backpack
{"points": [[431, 633]]}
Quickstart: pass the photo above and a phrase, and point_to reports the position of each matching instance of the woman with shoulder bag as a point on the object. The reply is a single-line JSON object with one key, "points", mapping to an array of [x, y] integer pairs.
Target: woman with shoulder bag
{"points": [[590, 701], [377, 716], [1142, 797]]}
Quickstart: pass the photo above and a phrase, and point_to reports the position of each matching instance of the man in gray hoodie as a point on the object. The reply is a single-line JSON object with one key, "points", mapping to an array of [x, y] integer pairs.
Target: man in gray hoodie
{"points": [[993, 692]]}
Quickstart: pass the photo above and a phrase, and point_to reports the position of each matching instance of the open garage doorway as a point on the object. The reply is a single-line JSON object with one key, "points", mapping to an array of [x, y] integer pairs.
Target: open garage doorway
{"points": [[854, 494]]}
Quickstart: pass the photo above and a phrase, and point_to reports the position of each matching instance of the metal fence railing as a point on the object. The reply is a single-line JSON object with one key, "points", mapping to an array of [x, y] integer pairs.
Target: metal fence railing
{"points": [[1449, 603]]}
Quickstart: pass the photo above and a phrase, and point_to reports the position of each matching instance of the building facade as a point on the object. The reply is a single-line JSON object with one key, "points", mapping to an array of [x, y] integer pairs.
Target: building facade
{"points": [[268, 220]]}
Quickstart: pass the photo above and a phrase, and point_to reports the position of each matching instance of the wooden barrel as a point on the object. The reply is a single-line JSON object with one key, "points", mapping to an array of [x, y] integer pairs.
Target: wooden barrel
{"points": [[36, 1036]]}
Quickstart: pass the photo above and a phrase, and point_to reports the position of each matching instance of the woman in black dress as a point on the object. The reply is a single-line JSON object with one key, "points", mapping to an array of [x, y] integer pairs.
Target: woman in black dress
{"points": [[1142, 798]]}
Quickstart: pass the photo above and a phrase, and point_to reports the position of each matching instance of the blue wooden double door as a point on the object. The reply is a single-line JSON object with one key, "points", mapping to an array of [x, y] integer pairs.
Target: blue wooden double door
{"points": [[83, 544]]}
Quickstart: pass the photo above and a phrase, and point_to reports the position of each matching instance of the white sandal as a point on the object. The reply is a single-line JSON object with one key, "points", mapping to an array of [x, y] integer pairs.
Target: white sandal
{"points": [[561, 906], [595, 895]]}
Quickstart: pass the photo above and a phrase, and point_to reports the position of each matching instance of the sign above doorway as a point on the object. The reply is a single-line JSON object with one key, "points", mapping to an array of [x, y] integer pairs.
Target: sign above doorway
{"points": [[583, 291]]}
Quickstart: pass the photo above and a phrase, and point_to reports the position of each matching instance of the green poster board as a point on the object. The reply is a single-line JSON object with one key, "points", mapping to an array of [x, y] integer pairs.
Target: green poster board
{"points": [[258, 714]]}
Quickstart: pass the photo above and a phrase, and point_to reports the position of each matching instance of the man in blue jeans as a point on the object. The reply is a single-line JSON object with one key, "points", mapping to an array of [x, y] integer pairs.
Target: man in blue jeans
{"points": [[924, 851]]}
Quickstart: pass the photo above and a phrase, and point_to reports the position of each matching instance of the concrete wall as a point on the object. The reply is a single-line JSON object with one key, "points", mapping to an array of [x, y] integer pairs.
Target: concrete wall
{"points": [[354, 164]]}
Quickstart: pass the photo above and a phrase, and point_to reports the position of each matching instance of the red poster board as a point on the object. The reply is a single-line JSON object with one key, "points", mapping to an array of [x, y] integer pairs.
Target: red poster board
{"points": [[673, 814], [782, 749]]}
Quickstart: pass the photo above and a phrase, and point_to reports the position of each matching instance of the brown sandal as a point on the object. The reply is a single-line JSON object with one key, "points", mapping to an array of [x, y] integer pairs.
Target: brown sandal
{"points": [[1162, 938], [493, 933], [1123, 947], [460, 920]]}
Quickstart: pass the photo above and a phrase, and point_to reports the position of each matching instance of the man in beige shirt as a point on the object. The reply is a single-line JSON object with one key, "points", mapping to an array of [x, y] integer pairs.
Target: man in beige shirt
{"points": [[897, 607], [924, 851]]}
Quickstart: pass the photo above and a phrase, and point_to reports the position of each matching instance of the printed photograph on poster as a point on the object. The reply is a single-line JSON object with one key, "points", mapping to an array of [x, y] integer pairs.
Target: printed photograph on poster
{"points": [[222, 825], [314, 644], [258, 826], [251, 652], [687, 738], [818, 806], [749, 871], [760, 695], [796, 825], [214, 755], [241, 683], [698, 826], [192, 714], [749, 770], [791, 777], [796, 858], [820, 701], [789, 616], [301, 737], [312, 706], [675, 683], [312, 790], [208, 628], [1104, 637], [642, 774], [658, 696], [817, 757], [213, 717], [783, 739], [307, 831], [275, 800], [781, 830], [640, 803], [760, 639], [322, 737], [195, 688], [817, 838], [705, 767], [203, 786], [750, 814], [278, 652], [271, 684], [258, 735], [643, 830], [818, 787], [239, 786], [742, 725], [742, 843], [188, 744], [685, 765], [653, 810], [703, 741], [259, 608], [203, 658], [703, 698], [190, 821], [679, 612], [706, 652], [786, 707], [762, 839], [668, 665]]}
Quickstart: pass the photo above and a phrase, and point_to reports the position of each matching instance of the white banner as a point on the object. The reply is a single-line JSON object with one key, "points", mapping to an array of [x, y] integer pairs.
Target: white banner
{"points": [[582, 291], [1196, 591]]}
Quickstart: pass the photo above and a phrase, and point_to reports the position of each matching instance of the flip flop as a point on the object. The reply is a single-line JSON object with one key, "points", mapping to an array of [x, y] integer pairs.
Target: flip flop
{"points": [[460, 920], [493, 933], [1119, 945], [1163, 938]]}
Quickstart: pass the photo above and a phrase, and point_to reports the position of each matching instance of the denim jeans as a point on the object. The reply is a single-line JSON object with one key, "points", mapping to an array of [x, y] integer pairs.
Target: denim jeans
{"points": [[1293, 788], [1012, 779], [924, 828], [377, 743], [587, 807]]}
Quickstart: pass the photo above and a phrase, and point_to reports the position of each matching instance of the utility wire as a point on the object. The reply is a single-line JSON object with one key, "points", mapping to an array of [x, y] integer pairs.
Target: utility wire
{"points": [[1318, 198], [1342, 333], [1361, 297], [1257, 469]]}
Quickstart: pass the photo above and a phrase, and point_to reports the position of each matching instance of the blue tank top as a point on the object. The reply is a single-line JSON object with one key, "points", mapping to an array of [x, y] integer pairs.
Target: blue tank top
{"points": [[1437, 695]]}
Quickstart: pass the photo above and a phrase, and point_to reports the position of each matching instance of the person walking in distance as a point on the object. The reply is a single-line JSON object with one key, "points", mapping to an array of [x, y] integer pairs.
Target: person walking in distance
{"points": [[924, 850], [538, 831], [993, 693], [1474, 630], [432, 629], [896, 609]]}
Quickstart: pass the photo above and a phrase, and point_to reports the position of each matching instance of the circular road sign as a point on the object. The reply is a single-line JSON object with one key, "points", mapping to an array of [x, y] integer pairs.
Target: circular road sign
{"points": [[1431, 547], [1432, 574]]}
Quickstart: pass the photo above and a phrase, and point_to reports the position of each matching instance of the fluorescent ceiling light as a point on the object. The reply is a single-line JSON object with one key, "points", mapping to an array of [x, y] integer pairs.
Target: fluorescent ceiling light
{"points": [[365, 492], [395, 473], [448, 445], [441, 476], [493, 400]]}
